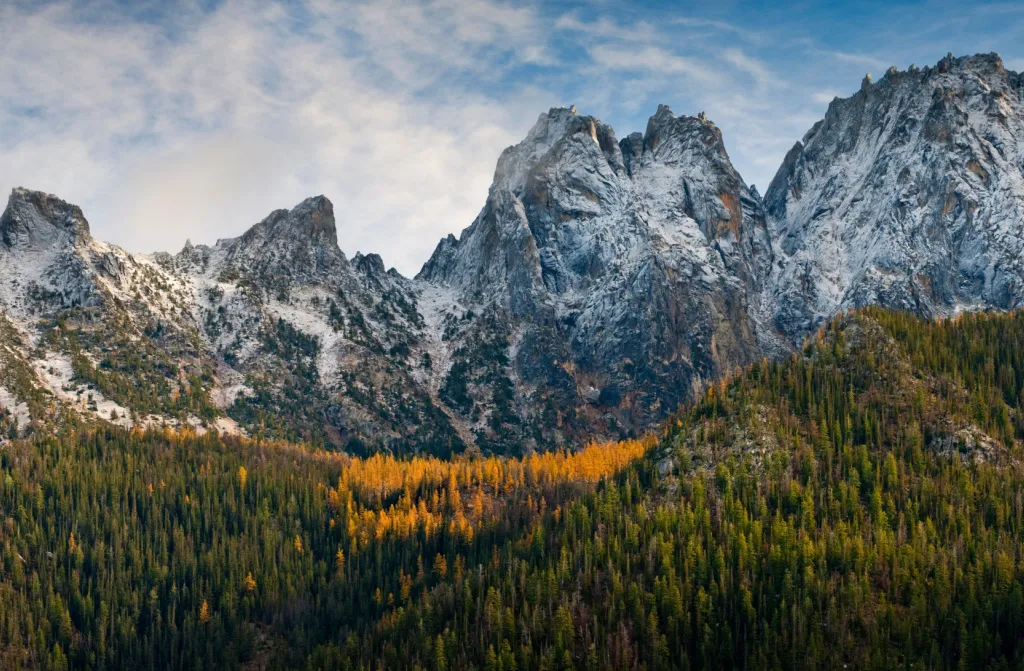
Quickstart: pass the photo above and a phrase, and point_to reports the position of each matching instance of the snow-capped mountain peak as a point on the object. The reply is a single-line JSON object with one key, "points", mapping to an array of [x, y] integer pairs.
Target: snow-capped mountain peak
{"points": [[908, 194]]}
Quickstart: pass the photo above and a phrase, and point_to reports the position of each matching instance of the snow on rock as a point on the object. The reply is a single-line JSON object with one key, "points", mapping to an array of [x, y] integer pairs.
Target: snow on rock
{"points": [[603, 281], [632, 259], [439, 306], [228, 386], [222, 425], [56, 371], [311, 321], [908, 194], [17, 409], [228, 426]]}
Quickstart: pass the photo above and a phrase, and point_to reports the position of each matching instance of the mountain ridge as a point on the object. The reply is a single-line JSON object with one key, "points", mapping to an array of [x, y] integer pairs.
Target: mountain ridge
{"points": [[603, 283], [907, 194]]}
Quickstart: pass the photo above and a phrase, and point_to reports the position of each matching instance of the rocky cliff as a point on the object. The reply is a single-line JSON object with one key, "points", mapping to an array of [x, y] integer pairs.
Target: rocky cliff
{"points": [[909, 194], [621, 272]]}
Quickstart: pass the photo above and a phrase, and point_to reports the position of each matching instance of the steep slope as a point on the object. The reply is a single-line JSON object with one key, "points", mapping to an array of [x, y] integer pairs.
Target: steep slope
{"points": [[97, 330], [617, 272], [311, 344], [909, 194], [887, 379], [602, 284], [273, 333], [858, 505]]}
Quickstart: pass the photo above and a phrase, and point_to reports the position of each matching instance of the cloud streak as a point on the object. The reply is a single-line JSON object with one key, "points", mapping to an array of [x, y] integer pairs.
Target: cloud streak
{"points": [[649, 59], [752, 66]]}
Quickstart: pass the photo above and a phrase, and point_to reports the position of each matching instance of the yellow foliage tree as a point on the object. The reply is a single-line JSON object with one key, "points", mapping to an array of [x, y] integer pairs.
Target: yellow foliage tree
{"points": [[441, 565]]}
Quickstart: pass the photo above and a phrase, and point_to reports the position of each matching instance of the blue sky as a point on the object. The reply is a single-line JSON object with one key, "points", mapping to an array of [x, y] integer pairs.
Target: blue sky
{"points": [[172, 120]]}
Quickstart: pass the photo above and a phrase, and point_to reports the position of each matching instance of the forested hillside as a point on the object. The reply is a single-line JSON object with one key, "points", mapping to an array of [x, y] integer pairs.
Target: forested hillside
{"points": [[858, 505]]}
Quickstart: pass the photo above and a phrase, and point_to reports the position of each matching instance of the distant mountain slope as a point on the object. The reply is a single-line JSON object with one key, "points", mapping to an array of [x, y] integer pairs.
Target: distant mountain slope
{"points": [[104, 333], [274, 333]]}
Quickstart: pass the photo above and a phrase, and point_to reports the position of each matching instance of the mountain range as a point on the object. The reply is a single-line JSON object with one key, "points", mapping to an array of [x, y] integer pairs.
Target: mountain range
{"points": [[603, 283]]}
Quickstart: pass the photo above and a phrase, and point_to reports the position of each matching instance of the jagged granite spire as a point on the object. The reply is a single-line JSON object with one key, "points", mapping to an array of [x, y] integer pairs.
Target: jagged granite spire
{"points": [[288, 246], [615, 261], [37, 220]]}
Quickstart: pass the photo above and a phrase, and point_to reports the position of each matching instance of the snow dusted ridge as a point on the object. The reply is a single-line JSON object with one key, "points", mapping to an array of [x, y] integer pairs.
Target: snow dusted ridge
{"points": [[607, 262], [908, 194], [603, 282]]}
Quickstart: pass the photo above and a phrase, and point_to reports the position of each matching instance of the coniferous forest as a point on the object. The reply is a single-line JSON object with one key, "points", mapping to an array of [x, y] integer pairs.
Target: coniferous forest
{"points": [[857, 505]]}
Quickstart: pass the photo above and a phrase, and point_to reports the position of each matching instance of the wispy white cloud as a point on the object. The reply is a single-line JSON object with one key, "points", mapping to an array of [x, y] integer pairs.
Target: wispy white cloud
{"points": [[824, 97], [752, 66], [720, 26], [419, 42], [863, 60], [606, 28], [651, 59]]}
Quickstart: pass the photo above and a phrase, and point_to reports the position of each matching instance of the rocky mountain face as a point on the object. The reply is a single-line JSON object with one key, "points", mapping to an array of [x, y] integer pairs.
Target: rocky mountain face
{"points": [[909, 194], [273, 333], [87, 327], [620, 273], [604, 281]]}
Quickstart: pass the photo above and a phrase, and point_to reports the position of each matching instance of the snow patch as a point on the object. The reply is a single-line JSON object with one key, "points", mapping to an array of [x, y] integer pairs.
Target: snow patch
{"points": [[19, 409], [56, 371], [313, 323], [436, 305]]}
